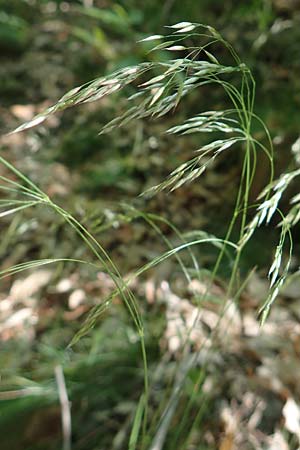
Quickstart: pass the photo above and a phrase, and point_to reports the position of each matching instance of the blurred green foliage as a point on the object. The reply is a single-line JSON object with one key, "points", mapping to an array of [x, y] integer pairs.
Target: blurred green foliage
{"points": [[14, 33]]}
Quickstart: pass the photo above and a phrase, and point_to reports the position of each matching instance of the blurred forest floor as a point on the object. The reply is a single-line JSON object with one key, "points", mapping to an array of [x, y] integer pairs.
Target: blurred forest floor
{"points": [[249, 391]]}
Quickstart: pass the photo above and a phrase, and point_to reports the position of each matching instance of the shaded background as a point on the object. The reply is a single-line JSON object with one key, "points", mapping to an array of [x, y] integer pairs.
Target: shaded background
{"points": [[47, 48]]}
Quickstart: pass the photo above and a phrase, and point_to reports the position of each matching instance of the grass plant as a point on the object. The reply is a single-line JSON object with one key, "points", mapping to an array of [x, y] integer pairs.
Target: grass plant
{"points": [[159, 88]]}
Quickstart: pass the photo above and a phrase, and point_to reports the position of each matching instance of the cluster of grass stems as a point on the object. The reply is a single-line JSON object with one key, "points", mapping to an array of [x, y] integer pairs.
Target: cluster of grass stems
{"points": [[174, 78]]}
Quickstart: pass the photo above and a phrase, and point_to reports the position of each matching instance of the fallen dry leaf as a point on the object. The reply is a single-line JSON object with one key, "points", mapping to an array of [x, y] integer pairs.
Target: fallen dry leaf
{"points": [[291, 413]]}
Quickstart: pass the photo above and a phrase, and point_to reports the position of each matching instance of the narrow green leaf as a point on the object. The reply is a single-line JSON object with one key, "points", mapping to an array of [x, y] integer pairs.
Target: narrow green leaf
{"points": [[137, 424]]}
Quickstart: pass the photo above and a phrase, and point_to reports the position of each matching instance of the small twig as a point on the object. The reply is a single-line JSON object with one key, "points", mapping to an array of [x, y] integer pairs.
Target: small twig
{"points": [[65, 407]]}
